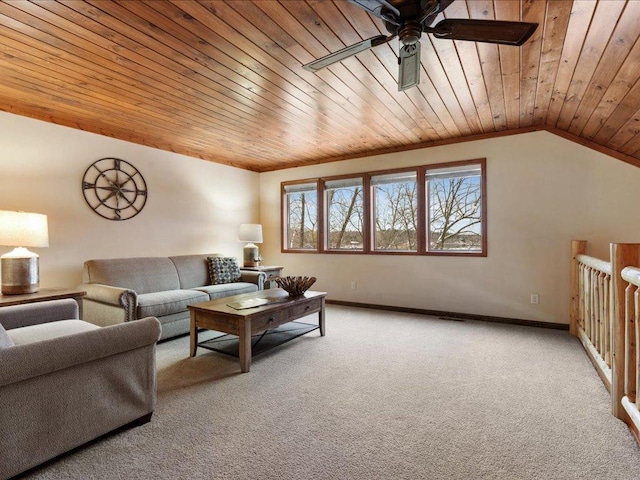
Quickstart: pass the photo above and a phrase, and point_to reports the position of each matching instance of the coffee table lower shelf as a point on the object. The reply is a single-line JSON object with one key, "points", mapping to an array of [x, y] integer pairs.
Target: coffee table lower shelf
{"points": [[229, 344]]}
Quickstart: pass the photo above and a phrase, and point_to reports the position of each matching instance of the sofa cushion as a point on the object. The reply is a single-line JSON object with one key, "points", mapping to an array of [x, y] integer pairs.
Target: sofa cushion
{"points": [[165, 303], [5, 340], [223, 270], [227, 289], [141, 274], [193, 270], [47, 331]]}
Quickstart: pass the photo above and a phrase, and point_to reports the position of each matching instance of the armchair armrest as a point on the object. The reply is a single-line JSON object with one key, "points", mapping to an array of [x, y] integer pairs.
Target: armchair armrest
{"points": [[116, 296], [254, 277], [40, 358], [17, 316]]}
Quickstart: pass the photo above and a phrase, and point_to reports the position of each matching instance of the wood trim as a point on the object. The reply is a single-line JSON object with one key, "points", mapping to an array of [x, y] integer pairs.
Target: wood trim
{"points": [[373, 208], [453, 315], [601, 368], [416, 146], [483, 185], [325, 239], [633, 417], [320, 210], [578, 247], [283, 216], [594, 146], [621, 255], [369, 208], [472, 138]]}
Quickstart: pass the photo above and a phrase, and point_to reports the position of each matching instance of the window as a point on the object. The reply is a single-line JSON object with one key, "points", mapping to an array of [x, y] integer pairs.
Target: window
{"points": [[395, 206], [301, 206], [454, 199], [425, 210], [344, 200]]}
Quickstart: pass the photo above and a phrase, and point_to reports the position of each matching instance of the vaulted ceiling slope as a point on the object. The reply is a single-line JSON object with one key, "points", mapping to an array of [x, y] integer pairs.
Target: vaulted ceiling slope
{"points": [[222, 80]]}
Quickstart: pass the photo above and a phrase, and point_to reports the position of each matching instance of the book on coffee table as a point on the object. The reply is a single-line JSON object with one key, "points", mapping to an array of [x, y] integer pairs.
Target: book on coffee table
{"points": [[256, 302]]}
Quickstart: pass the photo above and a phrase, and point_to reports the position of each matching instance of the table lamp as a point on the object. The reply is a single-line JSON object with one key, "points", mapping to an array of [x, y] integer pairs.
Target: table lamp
{"points": [[252, 233], [20, 269]]}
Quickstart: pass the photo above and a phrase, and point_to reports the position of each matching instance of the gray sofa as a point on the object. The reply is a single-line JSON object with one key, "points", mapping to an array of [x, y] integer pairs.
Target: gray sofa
{"points": [[124, 289], [65, 382]]}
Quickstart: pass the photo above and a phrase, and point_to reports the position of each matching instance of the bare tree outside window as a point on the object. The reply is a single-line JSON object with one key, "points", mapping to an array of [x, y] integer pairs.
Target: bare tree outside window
{"points": [[345, 214], [302, 216], [395, 211], [437, 209], [455, 208]]}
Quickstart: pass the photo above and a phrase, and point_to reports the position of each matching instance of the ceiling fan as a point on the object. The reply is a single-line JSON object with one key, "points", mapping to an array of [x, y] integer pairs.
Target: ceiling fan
{"points": [[409, 19]]}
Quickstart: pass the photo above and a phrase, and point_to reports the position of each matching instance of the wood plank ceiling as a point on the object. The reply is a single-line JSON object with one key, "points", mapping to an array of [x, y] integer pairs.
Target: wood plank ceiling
{"points": [[222, 80]]}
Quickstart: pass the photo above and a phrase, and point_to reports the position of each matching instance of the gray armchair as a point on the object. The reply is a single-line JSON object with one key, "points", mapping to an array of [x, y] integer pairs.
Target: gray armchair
{"points": [[65, 382]]}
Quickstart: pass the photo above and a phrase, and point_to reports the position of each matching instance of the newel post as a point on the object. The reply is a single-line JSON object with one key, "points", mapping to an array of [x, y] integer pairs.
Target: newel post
{"points": [[577, 247], [622, 255]]}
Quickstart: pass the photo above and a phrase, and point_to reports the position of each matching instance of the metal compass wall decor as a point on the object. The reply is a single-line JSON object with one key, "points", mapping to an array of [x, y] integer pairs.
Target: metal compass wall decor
{"points": [[114, 189]]}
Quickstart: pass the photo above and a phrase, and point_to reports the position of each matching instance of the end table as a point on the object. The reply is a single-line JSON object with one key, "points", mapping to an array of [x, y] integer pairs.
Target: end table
{"points": [[272, 273], [42, 295]]}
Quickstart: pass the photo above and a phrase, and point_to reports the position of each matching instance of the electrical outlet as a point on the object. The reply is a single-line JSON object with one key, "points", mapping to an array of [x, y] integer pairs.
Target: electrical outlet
{"points": [[534, 299], [354, 285]]}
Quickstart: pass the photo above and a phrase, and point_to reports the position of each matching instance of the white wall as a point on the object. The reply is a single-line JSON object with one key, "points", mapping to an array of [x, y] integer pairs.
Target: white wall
{"points": [[543, 191], [193, 206]]}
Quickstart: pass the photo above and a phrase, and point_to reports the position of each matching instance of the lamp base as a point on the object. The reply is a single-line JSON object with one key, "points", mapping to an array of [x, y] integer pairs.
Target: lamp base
{"points": [[19, 275], [251, 256]]}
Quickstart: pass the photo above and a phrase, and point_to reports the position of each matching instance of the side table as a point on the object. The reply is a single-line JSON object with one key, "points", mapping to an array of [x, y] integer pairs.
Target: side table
{"points": [[272, 273], [42, 295]]}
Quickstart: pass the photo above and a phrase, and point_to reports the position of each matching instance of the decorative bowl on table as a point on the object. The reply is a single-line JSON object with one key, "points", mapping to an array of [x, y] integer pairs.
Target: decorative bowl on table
{"points": [[295, 286]]}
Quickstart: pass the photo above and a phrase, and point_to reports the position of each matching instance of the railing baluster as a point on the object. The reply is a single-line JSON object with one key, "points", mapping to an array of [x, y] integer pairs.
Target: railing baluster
{"points": [[578, 247], [587, 303], [594, 307], [607, 324], [601, 314], [630, 349], [636, 344], [581, 295]]}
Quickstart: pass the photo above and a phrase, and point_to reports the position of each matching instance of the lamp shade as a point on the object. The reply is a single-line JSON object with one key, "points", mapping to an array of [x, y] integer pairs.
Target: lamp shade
{"points": [[23, 229], [250, 232]]}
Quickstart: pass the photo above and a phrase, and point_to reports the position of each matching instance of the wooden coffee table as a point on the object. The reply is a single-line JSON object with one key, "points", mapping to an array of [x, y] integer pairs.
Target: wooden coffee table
{"points": [[245, 322]]}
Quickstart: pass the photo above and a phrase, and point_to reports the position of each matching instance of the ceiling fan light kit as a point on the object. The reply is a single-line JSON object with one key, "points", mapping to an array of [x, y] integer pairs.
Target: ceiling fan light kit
{"points": [[409, 62], [409, 19]]}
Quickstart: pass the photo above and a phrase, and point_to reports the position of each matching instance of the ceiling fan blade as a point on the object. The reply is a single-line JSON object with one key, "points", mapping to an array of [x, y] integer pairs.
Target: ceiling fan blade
{"points": [[409, 70], [374, 7], [346, 52], [431, 15], [489, 31]]}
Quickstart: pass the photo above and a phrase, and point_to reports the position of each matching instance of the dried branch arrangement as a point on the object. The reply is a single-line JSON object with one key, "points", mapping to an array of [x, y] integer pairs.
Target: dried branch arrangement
{"points": [[295, 286]]}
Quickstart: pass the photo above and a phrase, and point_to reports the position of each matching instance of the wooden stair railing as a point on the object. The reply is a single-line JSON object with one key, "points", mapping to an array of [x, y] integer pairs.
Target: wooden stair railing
{"points": [[605, 316], [592, 308], [631, 399]]}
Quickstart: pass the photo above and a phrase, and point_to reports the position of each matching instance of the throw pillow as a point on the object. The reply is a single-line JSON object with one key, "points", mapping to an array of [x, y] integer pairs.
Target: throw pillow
{"points": [[5, 340], [223, 270]]}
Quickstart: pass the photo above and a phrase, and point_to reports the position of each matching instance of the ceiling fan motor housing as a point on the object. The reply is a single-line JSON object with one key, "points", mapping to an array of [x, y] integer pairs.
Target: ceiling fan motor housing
{"points": [[410, 33], [410, 24]]}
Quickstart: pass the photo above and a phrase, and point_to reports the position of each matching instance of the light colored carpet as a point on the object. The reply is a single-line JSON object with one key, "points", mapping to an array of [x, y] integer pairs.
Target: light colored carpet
{"points": [[382, 396]]}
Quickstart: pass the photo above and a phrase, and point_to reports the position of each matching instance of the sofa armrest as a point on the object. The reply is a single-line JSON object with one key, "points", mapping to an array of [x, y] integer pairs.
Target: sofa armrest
{"points": [[254, 277], [116, 296], [16, 316], [30, 360]]}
